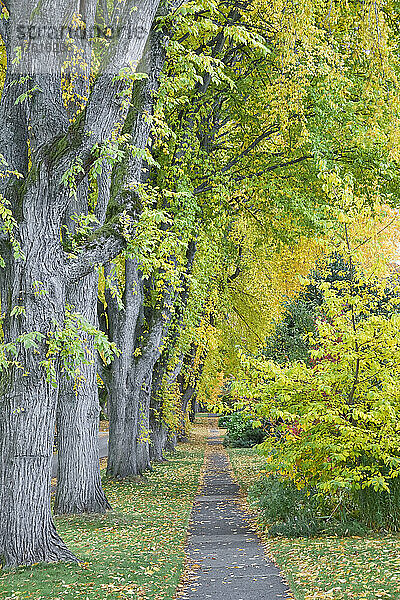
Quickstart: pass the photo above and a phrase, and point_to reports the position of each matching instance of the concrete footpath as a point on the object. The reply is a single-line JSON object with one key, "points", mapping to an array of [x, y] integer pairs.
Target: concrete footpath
{"points": [[225, 555]]}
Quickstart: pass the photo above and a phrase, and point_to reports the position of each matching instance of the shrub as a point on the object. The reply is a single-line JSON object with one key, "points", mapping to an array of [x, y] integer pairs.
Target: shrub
{"points": [[240, 431], [282, 505], [380, 509], [338, 416], [290, 512], [223, 421]]}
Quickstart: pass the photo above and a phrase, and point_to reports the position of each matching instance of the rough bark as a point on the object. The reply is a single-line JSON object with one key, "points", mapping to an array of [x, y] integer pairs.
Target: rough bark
{"points": [[79, 486], [158, 437], [27, 401], [39, 283], [129, 382], [139, 399], [122, 330], [130, 389]]}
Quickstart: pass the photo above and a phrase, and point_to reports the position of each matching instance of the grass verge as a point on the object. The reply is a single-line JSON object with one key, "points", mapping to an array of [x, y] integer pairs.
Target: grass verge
{"points": [[326, 568], [135, 551]]}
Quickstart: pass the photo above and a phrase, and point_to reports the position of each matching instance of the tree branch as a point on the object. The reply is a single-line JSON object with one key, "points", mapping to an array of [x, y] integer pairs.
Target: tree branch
{"points": [[207, 187], [107, 245]]}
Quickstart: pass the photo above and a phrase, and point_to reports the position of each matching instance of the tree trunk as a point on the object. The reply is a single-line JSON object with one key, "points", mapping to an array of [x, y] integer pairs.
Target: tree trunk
{"points": [[171, 442], [143, 437], [122, 324], [158, 437], [158, 429], [122, 424], [79, 484], [186, 399], [79, 488], [27, 531], [129, 445], [129, 382], [38, 283], [27, 401], [193, 408]]}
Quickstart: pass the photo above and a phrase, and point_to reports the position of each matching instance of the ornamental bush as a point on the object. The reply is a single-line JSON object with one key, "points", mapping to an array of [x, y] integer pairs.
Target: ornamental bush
{"points": [[241, 432], [338, 416], [288, 511]]}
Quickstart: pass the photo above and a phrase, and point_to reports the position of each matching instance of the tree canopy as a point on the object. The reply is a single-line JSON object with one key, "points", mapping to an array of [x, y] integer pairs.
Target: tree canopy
{"points": [[170, 174]]}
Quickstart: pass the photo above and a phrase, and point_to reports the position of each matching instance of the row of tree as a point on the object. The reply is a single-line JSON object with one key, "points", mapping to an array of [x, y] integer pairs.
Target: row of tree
{"points": [[154, 157]]}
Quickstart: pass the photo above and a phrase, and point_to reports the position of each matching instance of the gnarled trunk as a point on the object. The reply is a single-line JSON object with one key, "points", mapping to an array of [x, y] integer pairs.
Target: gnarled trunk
{"points": [[38, 283], [129, 380], [122, 323], [27, 530], [27, 401], [79, 486]]}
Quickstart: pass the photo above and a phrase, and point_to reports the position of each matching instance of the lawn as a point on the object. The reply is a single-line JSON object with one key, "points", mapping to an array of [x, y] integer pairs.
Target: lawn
{"points": [[326, 568], [135, 551]]}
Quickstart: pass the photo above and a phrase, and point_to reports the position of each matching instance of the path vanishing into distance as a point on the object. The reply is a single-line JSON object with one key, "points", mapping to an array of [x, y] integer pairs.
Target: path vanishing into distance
{"points": [[226, 557]]}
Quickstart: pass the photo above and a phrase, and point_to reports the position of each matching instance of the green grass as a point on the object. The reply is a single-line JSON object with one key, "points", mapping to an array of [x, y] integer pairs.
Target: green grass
{"points": [[134, 551], [329, 568]]}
